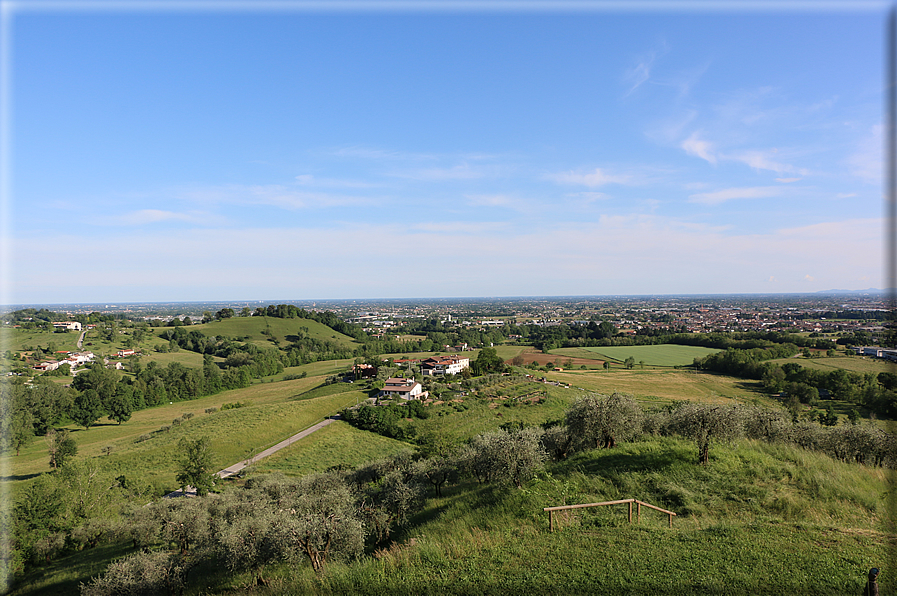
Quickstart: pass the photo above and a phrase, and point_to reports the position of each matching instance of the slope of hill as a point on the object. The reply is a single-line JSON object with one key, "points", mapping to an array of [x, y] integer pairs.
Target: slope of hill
{"points": [[277, 329]]}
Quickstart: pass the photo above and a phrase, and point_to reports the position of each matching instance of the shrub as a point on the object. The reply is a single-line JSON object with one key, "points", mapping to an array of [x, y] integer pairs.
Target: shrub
{"points": [[211, 410]]}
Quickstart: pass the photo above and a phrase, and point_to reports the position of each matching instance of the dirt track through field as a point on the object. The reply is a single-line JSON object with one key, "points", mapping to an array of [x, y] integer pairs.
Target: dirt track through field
{"points": [[231, 470]]}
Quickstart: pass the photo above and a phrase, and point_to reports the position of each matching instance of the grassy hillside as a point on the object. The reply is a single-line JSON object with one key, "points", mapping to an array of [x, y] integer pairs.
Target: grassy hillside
{"points": [[280, 329], [270, 416], [760, 519]]}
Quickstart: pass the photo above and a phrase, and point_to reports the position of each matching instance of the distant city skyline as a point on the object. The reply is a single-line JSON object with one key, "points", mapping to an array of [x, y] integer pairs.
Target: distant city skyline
{"points": [[196, 153]]}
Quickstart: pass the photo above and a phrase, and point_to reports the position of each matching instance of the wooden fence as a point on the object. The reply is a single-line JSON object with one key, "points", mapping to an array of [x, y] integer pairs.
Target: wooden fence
{"points": [[639, 504]]}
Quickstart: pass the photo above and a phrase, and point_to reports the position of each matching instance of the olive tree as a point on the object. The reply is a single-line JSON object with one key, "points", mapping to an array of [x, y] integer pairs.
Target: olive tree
{"points": [[142, 574], [706, 424], [597, 421], [505, 455], [322, 521]]}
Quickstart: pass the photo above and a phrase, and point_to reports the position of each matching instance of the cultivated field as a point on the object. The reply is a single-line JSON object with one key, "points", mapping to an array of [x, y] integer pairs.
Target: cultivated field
{"points": [[858, 364], [660, 355]]}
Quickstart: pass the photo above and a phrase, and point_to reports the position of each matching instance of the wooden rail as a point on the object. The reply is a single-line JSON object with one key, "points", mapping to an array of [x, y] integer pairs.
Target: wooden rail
{"points": [[639, 504]]}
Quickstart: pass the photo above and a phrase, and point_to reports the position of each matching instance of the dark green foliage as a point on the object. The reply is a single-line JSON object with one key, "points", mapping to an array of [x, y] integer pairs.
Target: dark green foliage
{"points": [[61, 446], [195, 462]]}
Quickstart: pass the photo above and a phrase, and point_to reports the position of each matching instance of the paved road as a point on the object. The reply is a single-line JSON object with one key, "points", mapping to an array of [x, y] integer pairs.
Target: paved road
{"points": [[231, 470]]}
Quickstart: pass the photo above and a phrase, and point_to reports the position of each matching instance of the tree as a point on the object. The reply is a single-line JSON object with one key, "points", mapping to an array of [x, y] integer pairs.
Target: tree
{"points": [[122, 404], [87, 408], [705, 424], [323, 521], [606, 365], [597, 421], [505, 455], [195, 461], [487, 362], [629, 362], [61, 447]]}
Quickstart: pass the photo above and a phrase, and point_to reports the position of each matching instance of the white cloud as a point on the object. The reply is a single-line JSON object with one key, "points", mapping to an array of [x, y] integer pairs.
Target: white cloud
{"points": [[729, 194], [693, 145], [788, 180], [590, 179], [762, 160]]}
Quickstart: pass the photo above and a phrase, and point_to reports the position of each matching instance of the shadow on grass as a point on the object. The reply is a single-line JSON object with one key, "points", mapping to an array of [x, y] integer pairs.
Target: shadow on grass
{"points": [[19, 477], [65, 574], [607, 461]]}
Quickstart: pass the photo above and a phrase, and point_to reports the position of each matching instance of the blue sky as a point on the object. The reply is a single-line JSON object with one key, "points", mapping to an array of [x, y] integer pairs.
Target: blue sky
{"points": [[216, 154]]}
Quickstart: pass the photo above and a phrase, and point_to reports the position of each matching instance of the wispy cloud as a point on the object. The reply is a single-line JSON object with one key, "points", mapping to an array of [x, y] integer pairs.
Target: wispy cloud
{"points": [[788, 180], [591, 179], [640, 73], [274, 195], [763, 160], [492, 200], [694, 145], [458, 172], [152, 216], [729, 194], [310, 180]]}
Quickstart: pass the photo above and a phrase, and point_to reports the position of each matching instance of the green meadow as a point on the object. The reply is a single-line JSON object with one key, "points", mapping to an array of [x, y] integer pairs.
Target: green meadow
{"points": [[659, 355]]}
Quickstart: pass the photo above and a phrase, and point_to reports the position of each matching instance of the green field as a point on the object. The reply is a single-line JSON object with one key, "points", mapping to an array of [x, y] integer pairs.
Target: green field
{"points": [[661, 355], [665, 385], [857, 364], [338, 444]]}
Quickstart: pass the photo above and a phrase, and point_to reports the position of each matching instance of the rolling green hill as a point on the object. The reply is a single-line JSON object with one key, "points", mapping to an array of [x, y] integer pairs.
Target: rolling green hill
{"points": [[279, 329]]}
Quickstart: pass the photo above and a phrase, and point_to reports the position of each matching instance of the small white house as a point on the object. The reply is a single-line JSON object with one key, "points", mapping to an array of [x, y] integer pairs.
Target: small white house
{"points": [[404, 388]]}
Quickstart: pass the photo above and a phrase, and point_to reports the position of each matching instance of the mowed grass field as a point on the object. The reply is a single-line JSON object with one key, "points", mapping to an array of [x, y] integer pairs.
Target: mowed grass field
{"points": [[665, 385], [858, 364], [338, 444], [273, 413], [660, 355]]}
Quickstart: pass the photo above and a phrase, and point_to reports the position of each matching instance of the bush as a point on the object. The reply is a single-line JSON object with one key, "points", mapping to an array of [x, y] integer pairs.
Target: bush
{"points": [[211, 410], [146, 573], [142, 438]]}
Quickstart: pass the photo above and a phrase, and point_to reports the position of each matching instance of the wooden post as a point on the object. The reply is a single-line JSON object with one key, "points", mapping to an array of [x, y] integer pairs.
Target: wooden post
{"points": [[551, 522], [630, 512], [638, 513]]}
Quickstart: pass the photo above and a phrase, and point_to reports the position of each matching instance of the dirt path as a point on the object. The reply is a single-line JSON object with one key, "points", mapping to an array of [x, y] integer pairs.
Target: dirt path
{"points": [[231, 470]]}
